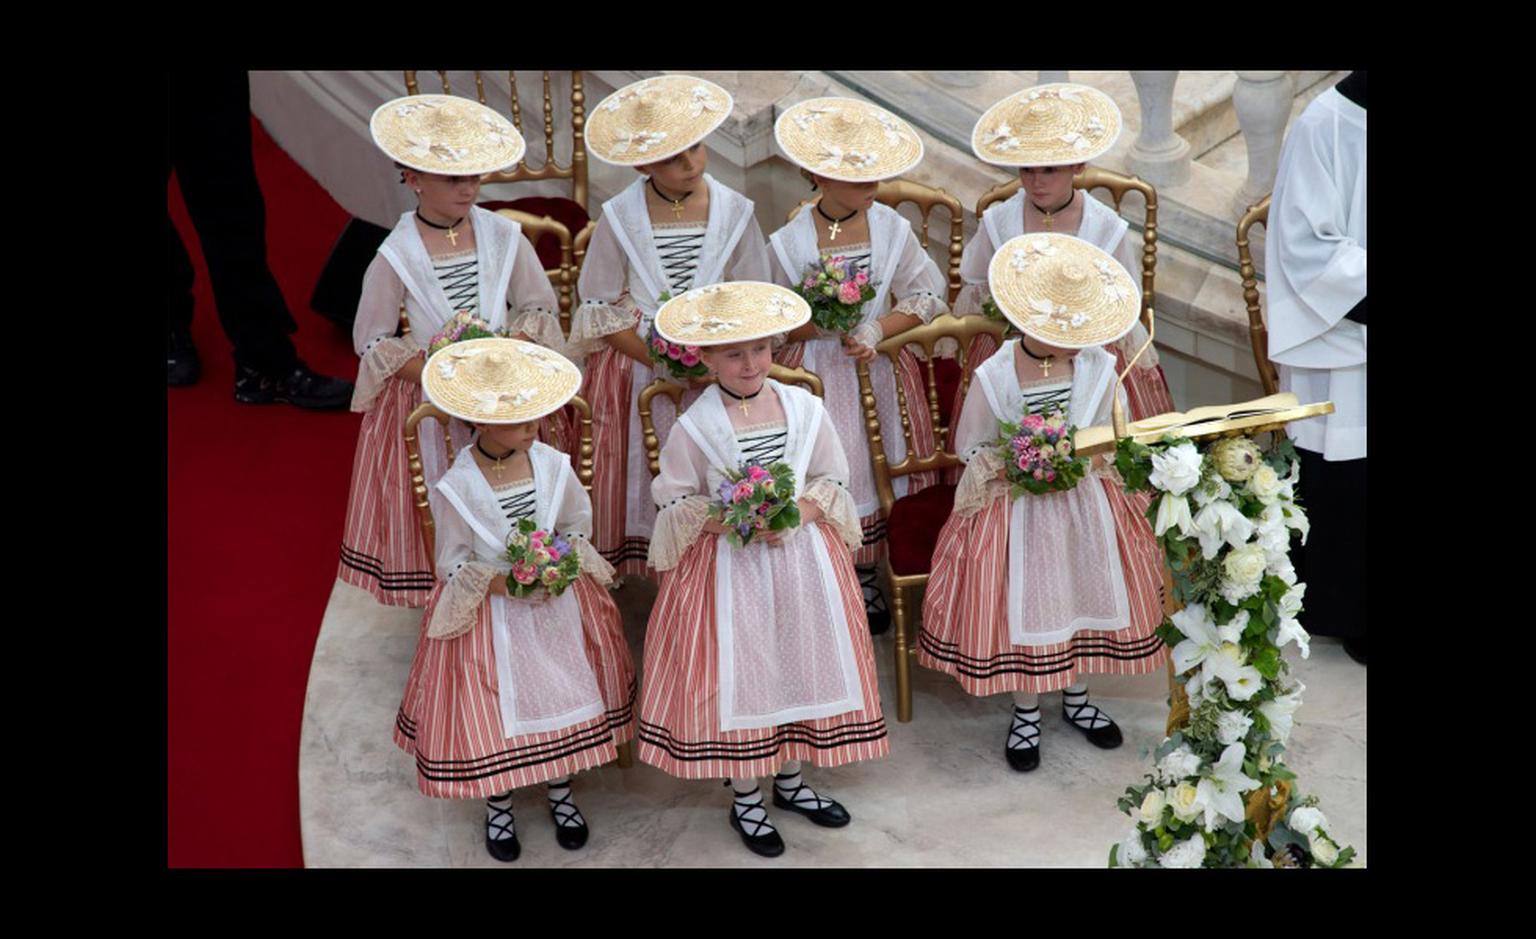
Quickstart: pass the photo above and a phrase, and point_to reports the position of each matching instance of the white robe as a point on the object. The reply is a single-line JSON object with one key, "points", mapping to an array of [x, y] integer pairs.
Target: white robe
{"points": [[543, 675], [785, 650], [1315, 270], [906, 281]]}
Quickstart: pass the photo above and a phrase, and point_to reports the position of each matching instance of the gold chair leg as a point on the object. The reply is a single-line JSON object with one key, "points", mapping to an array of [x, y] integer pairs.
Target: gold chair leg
{"points": [[903, 658], [626, 754]]}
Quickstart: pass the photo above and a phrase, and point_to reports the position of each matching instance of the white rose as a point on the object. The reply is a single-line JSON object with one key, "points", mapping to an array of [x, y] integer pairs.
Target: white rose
{"points": [[1290, 604], [1324, 852], [1232, 726], [1177, 469], [1180, 764], [1188, 853], [1306, 820], [1131, 853], [1241, 572], [1184, 801], [1273, 536], [1265, 484], [1152, 808]]}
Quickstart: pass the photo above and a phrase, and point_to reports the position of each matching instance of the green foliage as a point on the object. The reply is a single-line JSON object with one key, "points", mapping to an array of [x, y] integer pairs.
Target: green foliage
{"points": [[769, 506]]}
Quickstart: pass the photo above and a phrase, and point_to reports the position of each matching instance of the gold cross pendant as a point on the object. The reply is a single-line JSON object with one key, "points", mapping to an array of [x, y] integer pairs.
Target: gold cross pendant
{"points": [[677, 209], [745, 408], [1045, 365], [453, 237], [1046, 221], [832, 232]]}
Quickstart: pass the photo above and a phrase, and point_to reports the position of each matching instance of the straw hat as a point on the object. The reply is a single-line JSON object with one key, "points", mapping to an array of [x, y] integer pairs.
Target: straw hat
{"points": [[1048, 125], [653, 119], [446, 134], [847, 139], [733, 312], [1063, 290], [499, 381]]}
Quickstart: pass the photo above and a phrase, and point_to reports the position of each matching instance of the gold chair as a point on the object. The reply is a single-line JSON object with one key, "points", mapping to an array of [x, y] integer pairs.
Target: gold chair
{"points": [[913, 521], [893, 192], [663, 386], [1093, 177], [562, 278], [428, 410], [1258, 332]]}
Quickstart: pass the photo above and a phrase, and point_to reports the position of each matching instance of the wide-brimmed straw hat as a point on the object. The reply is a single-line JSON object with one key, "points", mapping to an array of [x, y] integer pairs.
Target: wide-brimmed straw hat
{"points": [[732, 312], [847, 139], [1048, 125], [447, 135], [499, 381], [1063, 290], [655, 118]]}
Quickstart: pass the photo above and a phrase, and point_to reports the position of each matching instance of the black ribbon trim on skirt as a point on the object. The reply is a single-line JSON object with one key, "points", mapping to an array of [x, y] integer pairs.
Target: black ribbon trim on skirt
{"points": [[797, 732], [1014, 663], [517, 758], [633, 549], [373, 567]]}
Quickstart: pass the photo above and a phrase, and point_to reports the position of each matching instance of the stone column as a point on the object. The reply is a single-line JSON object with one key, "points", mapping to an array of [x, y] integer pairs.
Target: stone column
{"points": [[1049, 76], [1263, 103], [1159, 155]]}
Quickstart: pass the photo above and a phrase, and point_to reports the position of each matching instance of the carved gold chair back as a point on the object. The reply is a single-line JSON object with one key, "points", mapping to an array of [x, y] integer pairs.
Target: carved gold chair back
{"points": [[662, 386], [894, 192], [562, 278], [1119, 185], [576, 172], [903, 586], [1258, 332]]}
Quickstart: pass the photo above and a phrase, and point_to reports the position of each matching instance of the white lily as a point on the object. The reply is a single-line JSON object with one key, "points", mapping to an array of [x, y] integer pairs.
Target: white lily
{"points": [[1173, 512], [1297, 519], [1211, 490], [1218, 523], [1280, 711], [1220, 793], [1290, 629], [1201, 639]]}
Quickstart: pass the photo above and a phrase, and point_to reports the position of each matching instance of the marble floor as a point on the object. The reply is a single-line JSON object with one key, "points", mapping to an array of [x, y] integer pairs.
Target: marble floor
{"points": [[943, 798]]}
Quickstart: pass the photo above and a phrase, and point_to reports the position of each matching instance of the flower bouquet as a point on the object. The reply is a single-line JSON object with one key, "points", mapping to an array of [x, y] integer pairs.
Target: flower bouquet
{"points": [[540, 559], [680, 362], [463, 326], [836, 290], [754, 499], [1037, 453]]}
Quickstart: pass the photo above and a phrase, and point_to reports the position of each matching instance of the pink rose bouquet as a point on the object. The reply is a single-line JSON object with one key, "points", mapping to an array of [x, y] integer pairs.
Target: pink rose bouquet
{"points": [[540, 559], [1037, 453], [836, 290], [462, 327], [754, 499]]}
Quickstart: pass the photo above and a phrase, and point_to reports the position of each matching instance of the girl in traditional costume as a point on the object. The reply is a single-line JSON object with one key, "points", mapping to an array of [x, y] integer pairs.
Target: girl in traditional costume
{"points": [[444, 257], [1031, 593], [845, 147], [1050, 133], [508, 691], [757, 657], [673, 229]]}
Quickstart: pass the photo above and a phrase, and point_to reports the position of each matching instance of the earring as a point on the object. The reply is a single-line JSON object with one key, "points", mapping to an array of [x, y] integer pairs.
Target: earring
{"points": [[418, 192]]}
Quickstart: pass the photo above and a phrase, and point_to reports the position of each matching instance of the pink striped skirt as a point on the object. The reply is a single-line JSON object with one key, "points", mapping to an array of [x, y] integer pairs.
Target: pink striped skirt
{"points": [[381, 548], [679, 708], [965, 612], [607, 389], [450, 714]]}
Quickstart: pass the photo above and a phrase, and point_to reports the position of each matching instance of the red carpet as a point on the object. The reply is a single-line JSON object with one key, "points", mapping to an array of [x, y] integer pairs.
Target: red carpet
{"points": [[257, 496]]}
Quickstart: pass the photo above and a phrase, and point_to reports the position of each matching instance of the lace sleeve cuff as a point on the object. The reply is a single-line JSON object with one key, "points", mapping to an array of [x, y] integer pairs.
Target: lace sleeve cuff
{"points": [[382, 360], [540, 325], [459, 605], [836, 504], [979, 484], [595, 319], [593, 563], [677, 527], [923, 305]]}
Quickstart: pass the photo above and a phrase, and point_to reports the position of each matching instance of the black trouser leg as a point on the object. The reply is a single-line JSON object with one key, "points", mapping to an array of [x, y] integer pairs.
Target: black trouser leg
{"points": [[1333, 562]]}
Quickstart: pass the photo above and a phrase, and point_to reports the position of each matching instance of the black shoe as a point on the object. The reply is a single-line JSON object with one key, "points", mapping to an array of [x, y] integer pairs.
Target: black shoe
{"points": [[502, 849], [570, 835], [182, 365], [1355, 648], [879, 621], [874, 600], [1106, 737], [300, 387], [766, 842], [1021, 757], [832, 815]]}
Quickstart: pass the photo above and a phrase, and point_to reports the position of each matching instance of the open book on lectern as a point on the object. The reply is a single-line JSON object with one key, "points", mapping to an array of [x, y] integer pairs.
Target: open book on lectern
{"points": [[1213, 420]]}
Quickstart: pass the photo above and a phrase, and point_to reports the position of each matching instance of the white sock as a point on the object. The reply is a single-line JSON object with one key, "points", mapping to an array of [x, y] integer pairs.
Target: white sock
{"points": [[1024, 732], [788, 785], [748, 806], [498, 817], [567, 815], [1074, 704]]}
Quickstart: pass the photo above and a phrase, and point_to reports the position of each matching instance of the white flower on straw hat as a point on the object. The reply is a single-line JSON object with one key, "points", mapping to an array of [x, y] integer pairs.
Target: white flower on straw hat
{"points": [[643, 140], [809, 116], [492, 400], [702, 101], [1002, 138]]}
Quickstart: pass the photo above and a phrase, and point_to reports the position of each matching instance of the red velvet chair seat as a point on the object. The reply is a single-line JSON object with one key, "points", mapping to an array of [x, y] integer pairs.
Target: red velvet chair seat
{"points": [[913, 528]]}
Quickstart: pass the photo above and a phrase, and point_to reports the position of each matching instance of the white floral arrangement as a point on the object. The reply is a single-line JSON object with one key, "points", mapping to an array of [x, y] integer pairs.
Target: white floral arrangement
{"points": [[1224, 518]]}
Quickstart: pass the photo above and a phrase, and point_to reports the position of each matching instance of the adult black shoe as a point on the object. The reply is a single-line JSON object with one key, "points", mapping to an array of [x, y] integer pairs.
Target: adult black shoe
{"points": [[1355, 649], [766, 842], [831, 815], [300, 386], [182, 365]]}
